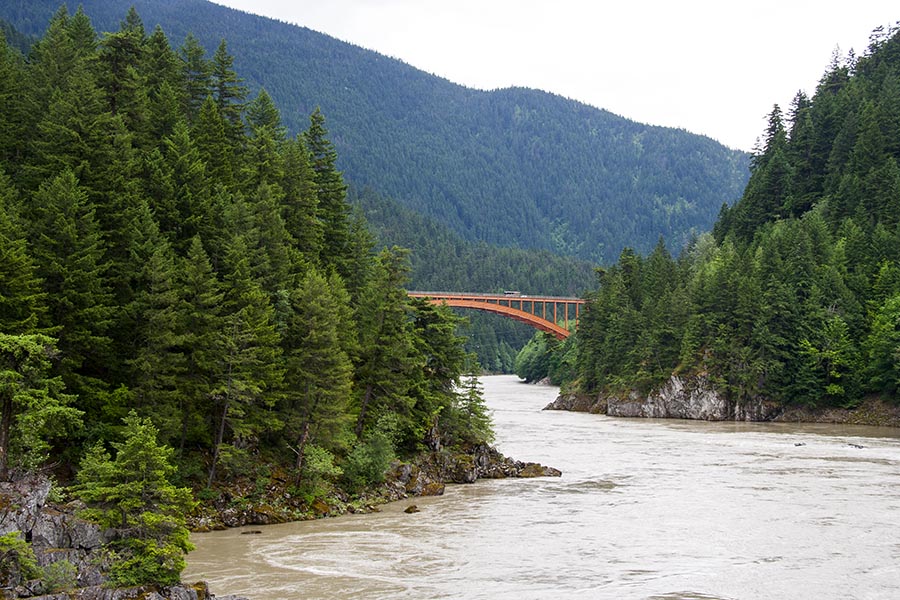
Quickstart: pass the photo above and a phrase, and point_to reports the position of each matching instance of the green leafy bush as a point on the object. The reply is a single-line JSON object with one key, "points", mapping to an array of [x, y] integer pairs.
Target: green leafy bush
{"points": [[368, 461]]}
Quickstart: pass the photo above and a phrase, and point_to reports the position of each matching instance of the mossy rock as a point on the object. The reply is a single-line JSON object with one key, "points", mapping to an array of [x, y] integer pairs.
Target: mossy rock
{"points": [[320, 507], [433, 489]]}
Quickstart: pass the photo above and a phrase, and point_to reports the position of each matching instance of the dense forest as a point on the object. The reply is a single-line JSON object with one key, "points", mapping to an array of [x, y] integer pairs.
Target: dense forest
{"points": [[795, 295], [513, 167], [187, 296]]}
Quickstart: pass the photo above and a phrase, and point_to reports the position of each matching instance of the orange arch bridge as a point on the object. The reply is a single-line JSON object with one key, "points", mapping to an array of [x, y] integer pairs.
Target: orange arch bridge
{"points": [[541, 312]]}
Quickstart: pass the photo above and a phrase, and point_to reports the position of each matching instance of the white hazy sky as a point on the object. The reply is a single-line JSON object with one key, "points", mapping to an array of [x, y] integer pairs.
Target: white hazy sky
{"points": [[713, 67]]}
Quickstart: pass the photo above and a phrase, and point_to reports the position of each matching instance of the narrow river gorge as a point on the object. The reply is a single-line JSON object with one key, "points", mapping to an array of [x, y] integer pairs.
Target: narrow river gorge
{"points": [[653, 509]]}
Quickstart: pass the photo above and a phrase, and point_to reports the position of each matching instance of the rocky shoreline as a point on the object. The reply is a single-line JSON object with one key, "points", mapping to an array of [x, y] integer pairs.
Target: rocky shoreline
{"points": [[58, 535], [695, 397], [426, 476]]}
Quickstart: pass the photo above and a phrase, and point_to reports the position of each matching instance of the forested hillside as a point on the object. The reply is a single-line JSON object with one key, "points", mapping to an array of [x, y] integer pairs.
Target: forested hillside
{"points": [[514, 167], [443, 261], [185, 294], [795, 297]]}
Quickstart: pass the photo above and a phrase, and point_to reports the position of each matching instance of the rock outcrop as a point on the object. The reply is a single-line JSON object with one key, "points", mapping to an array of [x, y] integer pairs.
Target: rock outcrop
{"points": [[695, 397], [56, 534], [691, 397]]}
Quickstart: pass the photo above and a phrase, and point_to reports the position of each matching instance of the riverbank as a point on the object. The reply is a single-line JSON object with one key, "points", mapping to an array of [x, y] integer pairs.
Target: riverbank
{"points": [[242, 503], [695, 398], [73, 549]]}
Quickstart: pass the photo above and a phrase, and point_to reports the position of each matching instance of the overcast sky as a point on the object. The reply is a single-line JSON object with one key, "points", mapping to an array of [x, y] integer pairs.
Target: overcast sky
{"points": [[713, 67]]}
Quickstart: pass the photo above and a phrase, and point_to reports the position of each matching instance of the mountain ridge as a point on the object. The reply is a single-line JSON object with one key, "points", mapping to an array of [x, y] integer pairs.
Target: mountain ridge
{"points": [[512, 167]]}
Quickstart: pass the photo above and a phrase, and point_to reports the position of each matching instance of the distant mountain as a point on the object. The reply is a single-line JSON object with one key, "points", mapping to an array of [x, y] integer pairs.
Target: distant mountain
{"points": [[513, 167]]}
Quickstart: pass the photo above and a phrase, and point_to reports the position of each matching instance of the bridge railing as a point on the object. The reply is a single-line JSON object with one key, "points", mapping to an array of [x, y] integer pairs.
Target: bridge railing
{"points": [[549, 313], [501, 295]]}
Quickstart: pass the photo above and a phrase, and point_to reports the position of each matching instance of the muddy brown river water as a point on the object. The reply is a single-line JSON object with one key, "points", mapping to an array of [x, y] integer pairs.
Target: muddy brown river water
{"points": [[647, 509]]}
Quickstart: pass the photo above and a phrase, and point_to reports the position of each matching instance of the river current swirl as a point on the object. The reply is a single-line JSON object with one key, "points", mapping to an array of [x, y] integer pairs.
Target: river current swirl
{"points": [[647, 509]]}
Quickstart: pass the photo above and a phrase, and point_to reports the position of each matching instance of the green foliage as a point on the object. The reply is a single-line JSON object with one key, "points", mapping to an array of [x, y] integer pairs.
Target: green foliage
{"points": [[34, 409], [59, 576], [319, 472], [132, 493], [368, 461], [469, 418], [199, 270], [883, 348], [533, 361], [613, 182], [794, 297], [17, 561]]}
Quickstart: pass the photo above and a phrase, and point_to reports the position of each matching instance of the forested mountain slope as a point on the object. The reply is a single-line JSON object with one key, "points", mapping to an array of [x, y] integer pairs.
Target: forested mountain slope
{"points": [[513, 167], [796, 296], [444, 261]]}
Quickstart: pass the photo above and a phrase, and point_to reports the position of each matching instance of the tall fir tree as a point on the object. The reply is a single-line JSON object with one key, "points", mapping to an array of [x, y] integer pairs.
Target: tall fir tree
{"points": [[69, 249]]}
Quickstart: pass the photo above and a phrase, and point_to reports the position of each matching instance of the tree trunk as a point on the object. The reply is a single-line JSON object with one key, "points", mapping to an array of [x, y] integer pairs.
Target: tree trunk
{"points": [[367, 397], [304, 437], [5, 424], [220, 435]]}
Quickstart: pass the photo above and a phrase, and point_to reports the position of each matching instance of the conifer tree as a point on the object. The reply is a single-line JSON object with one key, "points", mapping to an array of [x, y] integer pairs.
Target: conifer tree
{"points": [[331, 195], [159, 362], [133, 493], [228, 89], [15, 117], [199, 323], [440, 360], [196, 71], [267, 135], [34, 407], [22, 301], [213, 145], [318, 375], [300, 204], [384, 360], [252, 371], [67, 245], [122, 58], [161, 64], [189, 183]]}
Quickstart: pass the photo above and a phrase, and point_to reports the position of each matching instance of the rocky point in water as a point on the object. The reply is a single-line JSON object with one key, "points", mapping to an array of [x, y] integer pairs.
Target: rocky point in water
{"points": [[696, 397], [427, 475]]}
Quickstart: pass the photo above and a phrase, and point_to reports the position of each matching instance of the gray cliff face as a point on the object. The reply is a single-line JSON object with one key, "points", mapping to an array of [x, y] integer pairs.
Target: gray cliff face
{"points": [[691, 397]]}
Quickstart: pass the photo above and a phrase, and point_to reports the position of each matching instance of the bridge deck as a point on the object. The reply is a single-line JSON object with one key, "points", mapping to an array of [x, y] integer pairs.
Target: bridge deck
{"points": [[521, 307]]}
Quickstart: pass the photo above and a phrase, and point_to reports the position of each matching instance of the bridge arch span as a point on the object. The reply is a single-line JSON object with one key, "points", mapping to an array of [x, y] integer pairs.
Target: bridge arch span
{"points": [[531, 310]]}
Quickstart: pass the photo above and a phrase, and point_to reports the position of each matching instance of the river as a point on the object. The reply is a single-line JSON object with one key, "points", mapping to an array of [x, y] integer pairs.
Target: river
{"points": [[647, 509]]}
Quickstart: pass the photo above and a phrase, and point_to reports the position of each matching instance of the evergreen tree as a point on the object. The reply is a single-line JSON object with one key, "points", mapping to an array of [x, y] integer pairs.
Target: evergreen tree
{"points": [[159, 362], [133, 493], [252, 371], [385, 352], [228, 89], [331, 195], [33, 405], [122, 57], [213, 146], [189, 182], [68, 247], [22, 302], [199, 324], [197, 73], [300, 204], [15, 116], [318, 375]]}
